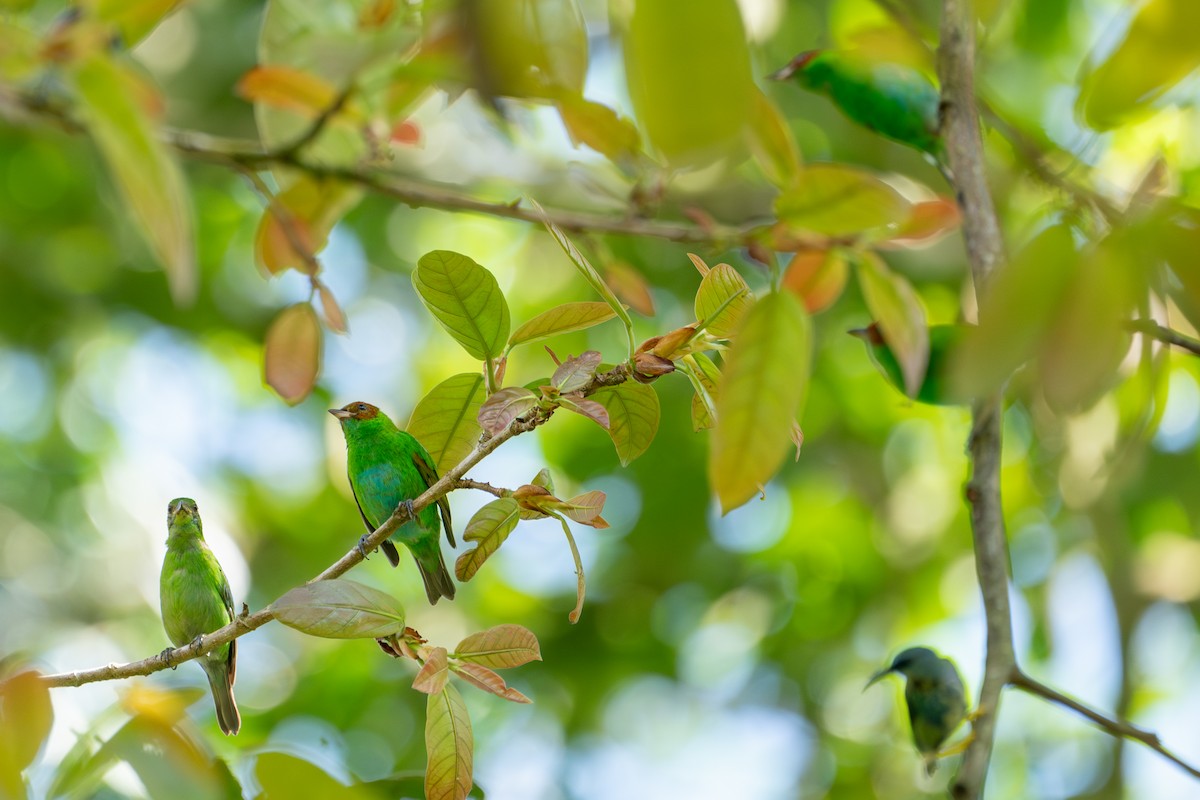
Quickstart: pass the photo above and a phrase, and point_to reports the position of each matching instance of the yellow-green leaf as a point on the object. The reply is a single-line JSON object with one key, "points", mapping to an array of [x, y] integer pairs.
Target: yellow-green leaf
{"points": [[836, 200], [292, 352], [25, 720], [599, 127], [466, 299], [340, 609], [449, 745], [898, 311], [284, 776], [146, 173], [530, 48], [772, 143], [764, 381], [500, 647], [633, 413], [488, 529], [445, 421], [722, 301], [561, 319], [133, 18]]}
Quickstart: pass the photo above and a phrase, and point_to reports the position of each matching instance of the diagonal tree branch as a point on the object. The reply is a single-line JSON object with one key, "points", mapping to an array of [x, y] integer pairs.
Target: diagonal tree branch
{"points": [[1148, 327]]}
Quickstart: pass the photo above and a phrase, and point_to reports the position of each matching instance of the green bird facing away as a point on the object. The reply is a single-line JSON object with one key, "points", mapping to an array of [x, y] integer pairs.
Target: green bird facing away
{"points": [[893, 100], [195, 599], [936, 699], [935, 386], [388, 467]]}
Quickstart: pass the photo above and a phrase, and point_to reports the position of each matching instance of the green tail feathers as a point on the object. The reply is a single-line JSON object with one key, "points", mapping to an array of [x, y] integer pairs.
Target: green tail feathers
{"points": [[220, 680], [438, 583]]}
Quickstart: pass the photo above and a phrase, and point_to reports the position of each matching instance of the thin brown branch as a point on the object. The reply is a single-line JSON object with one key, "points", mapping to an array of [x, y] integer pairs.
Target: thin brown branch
{"points": [[1116, 727], [287, 221], [318, 125], [483, 486], [985, 252], [248, 622], [1150, 328]]}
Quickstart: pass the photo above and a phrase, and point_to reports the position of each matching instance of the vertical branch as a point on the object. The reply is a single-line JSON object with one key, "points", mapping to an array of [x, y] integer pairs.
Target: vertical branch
{"points": [[985, 251]]}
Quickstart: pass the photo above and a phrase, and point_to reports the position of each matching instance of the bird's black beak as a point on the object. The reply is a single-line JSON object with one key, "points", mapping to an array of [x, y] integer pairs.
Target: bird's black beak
{"points": [[883, 673], [340, 413]]}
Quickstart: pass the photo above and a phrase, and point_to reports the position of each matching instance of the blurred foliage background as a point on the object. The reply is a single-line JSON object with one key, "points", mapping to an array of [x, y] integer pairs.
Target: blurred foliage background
{"points": [[717, 656]]}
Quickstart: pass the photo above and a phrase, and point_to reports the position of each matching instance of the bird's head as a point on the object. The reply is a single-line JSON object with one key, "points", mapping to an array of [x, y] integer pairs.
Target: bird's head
{"points": [[357, 411], [181, 509], [914, 662], [797, 64]]}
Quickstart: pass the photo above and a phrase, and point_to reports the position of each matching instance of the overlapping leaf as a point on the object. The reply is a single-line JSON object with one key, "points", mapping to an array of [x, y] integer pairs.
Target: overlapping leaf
{"points": [[504, 406], [488, 529], [722, 300]]}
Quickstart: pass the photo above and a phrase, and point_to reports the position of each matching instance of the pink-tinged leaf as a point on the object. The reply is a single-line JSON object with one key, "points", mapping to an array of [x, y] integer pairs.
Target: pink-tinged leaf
{"points": [[900, 316], [25, 720], [630, 286], [288, 88], [488, 529], [533, 498], [928, 223], [836, 200], [340, 609], [292, 353], [145, 171], [771, 141], [500, 647], [585, 407], [432, 676], [483, 678], [585, 509], [817, 277], [600, 128], [450, 746], [504, 406], [576, 372], [334, 317], [295, 227], [633, 414]]}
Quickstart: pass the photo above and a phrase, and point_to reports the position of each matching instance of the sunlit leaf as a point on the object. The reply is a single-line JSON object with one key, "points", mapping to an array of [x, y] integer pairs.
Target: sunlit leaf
{"points": [[25, 720], [465, 299], [286, 87], [772, 143], [530, 48], [585, 407], [284, 776], [599, 127], [295, 227], [446, 421], [705, 376], [488, 529], [836, 200], [449, 744], [722, 300], [898, 311], [764, 380], [340, 609], [500, 647], [147, 174], [561, 319], [504, 406], [133, 18], [633, 414], [630, 285], [434, 673], [817, 277], [483, 678], [292, 352], [929, 221], [576, 372]]}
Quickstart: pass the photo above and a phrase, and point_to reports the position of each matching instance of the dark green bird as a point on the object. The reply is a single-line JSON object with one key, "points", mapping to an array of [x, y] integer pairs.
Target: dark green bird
{"points": [[935, 386], [893, 100], [195, 599], [936, 699], [388, 467]]}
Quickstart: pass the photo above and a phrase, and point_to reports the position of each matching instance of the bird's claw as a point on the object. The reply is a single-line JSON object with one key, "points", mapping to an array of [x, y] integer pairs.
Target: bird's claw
{"points": [[165, 656], [362, 545], [198, 642], [410, 508]]}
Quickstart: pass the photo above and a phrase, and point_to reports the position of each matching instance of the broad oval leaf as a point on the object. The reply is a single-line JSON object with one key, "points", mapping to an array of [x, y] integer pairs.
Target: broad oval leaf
{"points": [[500, 647], [633, 414], [483, 678], [446, 420], [146, 173], [561, 319], [837, 200], [488, 529], [292, 353], [25, 719], [450, 746], [900, 316], [722, 300], [762, 385], [585, 508], [576, 372], [465, 299], [340, 609], [504, 406], [432, 676], [817, 277]]}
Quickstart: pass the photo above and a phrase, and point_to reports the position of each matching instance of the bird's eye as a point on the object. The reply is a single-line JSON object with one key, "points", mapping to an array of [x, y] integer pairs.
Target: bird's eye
{"points": [[361, 407]]}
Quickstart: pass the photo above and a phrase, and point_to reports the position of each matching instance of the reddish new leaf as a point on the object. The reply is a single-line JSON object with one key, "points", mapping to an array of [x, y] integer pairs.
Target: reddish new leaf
{"points": [[500, 647], [292, 353], [483, 678], [504, 406], [432, 676]]}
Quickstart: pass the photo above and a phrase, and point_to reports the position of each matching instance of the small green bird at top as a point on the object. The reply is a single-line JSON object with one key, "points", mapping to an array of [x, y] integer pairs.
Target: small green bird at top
{"points": [[389, 467], [893, 100], [936, 699], [195, 599], [935, 386]]}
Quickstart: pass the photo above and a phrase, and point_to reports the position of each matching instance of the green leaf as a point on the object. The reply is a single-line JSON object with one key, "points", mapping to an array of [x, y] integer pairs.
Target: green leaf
{"points": [[284, 776], [764, 380], [449, 744], [837, 200], [688, 73], [633, 414], [446, 422], [896, 308], [772, 143], [530, 48], [561, 319], [722, 300], [504, 406], [600, 128], [483, 678], [134, 19], [500, 647], [704, 376], [1157, 52], [146, 172], [488, 528], [340, 609], [168, 762], [292, 353], [25, 719], [465, 298], [434, 673], [576, 372]]}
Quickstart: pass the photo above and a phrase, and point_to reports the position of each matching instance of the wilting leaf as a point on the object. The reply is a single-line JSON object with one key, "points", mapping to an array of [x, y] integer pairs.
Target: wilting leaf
{"points": [[772, 143], [295, 227], [25, 720], [898, 312], [286, 87], [500, 647], [340, 609], [633, 414], [576, 372], [765, 377], [147, 174], [722, 300], [335, 318], [599, 127], [465, 298], [928, 222], [449, 744], [630, 286], [483, 678], [292, 352], [837, 200], [585, 407], [432, 676], [817, 277], [488, 529], [499, 410], [561, 319], [446, 421]]}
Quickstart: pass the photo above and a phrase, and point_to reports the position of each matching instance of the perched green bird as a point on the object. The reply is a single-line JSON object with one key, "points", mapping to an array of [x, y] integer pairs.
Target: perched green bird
{"points": [[936, 699], [935, 386], [195, 599], [893, 100], [388, 467]]}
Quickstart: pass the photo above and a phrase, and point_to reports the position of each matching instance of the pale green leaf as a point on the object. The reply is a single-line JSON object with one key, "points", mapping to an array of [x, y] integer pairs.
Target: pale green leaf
{"points": [[561, 319], [445, 421], [722, 300], [500, 647], [465, 298], [836, 200], [340, 609], [901, 318], [488, 529], [449, 744], [633, 413]]}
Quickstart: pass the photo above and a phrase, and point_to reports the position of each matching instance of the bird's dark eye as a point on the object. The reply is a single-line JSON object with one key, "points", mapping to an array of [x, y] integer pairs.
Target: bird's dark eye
{"points": [[361, 407]]}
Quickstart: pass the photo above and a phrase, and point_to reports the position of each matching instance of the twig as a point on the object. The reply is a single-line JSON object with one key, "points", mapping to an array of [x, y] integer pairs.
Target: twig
{"points": [[1116, 727], [287, 221], [318, 125], [1148, 327], [467, 483], [985, 251]]}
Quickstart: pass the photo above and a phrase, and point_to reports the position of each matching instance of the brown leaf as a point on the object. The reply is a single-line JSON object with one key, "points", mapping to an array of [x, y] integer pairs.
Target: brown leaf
{"points": [[432, 676], [334, 318], [504, 406], [292, 353], [927, 223], [817, 277], [500, 647], [648, 366], [576, 372], [483, 678]]}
